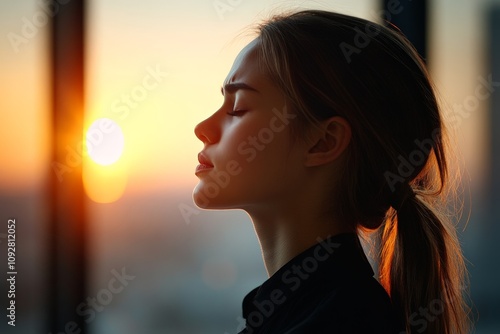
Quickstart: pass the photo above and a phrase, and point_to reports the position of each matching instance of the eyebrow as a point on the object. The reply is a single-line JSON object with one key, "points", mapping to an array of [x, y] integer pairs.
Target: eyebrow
{"points": [[234, 87]]}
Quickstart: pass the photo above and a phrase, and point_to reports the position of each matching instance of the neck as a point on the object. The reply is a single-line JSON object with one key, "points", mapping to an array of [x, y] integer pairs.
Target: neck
{"points": [[284, 235]]}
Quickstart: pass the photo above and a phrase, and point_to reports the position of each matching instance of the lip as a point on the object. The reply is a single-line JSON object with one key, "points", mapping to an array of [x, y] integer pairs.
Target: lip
{"points": [[205, 163], [202, 168]]}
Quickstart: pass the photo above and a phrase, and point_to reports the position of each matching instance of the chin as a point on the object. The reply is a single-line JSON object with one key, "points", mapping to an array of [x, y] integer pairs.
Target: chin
{"points": [[220, 202], [208, 198]]}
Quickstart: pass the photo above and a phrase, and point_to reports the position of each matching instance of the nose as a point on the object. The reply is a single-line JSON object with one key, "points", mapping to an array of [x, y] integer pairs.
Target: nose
{"points": [[207, 130]]}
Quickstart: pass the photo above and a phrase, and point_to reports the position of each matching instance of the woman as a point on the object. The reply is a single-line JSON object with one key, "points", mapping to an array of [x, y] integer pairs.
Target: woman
{"points": [[330, 126]]}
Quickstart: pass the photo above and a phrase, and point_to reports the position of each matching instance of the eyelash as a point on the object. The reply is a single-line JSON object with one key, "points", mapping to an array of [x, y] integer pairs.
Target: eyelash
{"points": [[236, 113]]}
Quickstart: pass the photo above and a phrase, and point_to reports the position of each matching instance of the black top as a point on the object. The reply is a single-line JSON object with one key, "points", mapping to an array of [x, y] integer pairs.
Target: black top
{"points": [[329, 288]]}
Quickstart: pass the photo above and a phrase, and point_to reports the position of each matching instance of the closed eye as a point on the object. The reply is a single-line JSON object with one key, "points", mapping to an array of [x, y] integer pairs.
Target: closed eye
{"points": [[236, 113]]}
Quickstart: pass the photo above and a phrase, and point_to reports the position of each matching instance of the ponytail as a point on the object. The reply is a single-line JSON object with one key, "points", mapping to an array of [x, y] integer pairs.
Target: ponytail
{"points": [[422, 267]]}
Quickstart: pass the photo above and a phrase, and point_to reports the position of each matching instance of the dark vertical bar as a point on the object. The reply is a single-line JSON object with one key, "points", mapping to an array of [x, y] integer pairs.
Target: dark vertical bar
{"points": [[68, 228], [411, 18], [492, 227], [494, 63]]}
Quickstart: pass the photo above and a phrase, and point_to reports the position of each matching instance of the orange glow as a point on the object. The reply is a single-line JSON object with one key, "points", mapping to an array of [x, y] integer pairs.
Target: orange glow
{"points": [[104, 184]]}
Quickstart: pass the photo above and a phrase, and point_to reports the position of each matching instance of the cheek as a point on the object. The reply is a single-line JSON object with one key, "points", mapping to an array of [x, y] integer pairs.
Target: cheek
{"points": [[265, 162], [258, 147]]}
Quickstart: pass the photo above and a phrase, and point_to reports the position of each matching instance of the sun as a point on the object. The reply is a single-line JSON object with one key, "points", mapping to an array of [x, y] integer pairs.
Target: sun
{"points": [[105, 141]]}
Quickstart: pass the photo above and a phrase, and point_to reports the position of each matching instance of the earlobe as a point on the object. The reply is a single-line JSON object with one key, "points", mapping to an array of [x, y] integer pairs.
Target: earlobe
{"points": [[331, 140]]}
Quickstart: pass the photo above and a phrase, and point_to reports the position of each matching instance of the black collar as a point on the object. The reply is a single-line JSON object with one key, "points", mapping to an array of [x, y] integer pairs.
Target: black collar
{"points": [[332, 261]]}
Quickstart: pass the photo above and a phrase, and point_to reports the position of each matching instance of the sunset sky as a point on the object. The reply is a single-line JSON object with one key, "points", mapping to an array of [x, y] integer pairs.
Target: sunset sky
{"points": [[155, 68]]}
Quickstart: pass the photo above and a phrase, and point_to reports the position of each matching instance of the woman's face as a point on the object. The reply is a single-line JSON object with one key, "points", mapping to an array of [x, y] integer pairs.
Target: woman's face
{"points": [[248, 158]]}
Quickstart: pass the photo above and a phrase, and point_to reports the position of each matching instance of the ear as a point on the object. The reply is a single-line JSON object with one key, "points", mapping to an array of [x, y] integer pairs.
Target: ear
{"points": [[330, 141]]}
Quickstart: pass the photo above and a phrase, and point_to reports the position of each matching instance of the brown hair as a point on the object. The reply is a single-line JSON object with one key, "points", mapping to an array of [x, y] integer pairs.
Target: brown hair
{"points": [[328, 64]]}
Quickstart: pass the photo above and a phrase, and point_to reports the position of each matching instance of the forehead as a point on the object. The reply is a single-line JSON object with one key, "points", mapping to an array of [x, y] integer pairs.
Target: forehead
{"points": [[245, 67]]}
